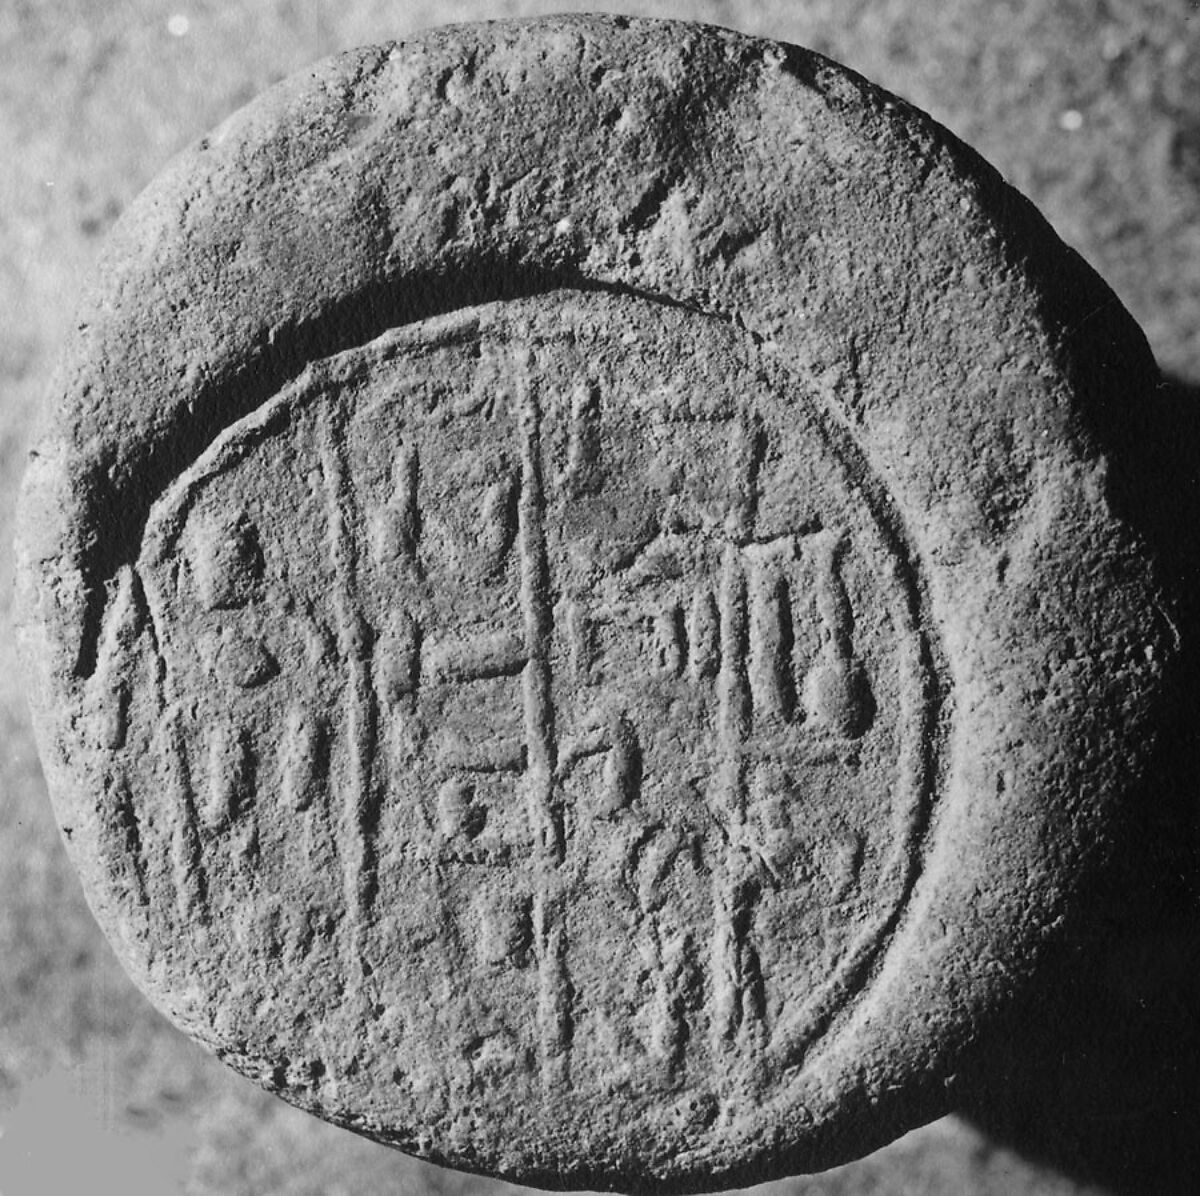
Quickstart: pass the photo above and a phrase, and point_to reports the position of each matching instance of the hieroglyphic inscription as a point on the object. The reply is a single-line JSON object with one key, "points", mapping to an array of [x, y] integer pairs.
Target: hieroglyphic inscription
{"points": [[772, 683], [228, 563], [670, 644], [576, 670], [396, 525], [497, 524], [578, 633], [836, 692], [303, 757], [187, 862], [704, 636], [735, 634], [622, 766], [397, 657], [120, 835], [554, 1020], [109, 686], [475, 658], [230, 776], [583, 474], [679, 993]]}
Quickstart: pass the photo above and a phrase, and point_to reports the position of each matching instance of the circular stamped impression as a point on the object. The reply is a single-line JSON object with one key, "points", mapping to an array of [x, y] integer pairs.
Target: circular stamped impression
{"points": [[580, 617]]}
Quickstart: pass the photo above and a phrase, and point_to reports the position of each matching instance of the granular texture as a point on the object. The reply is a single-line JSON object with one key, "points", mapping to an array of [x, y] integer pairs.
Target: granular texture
{"points": [[576, 617]]}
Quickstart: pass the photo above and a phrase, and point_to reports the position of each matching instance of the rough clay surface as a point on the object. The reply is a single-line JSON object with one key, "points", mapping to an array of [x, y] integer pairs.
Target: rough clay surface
{"points": [[578, 614]]}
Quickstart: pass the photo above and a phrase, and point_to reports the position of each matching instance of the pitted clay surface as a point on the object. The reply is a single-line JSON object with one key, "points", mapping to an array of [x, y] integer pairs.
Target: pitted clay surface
{"points": [[577, 617]]}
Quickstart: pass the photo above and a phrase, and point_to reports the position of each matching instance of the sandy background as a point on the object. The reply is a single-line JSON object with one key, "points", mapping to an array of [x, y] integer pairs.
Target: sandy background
{"points": [[1092, 107]]}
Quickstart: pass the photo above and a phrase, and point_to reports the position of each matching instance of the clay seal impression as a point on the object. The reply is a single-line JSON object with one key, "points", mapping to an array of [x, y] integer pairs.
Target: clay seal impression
{"points": [[576, 617]]}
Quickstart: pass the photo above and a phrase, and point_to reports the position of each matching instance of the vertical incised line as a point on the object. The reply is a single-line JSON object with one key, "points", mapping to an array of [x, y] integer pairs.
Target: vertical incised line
{"points": [[730, 915], [747, 452], [536, 611], [191, 880], [121, 841], [358, 814], [554, 991], [733, 712]]}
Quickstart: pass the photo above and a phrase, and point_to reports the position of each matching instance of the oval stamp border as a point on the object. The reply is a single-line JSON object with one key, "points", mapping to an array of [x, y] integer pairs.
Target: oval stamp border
{"points": [[809, 1020]]}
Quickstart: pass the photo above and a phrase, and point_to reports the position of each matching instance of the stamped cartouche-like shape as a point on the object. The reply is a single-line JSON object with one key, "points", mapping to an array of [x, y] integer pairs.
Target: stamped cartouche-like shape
{"points": [[577, 623]]}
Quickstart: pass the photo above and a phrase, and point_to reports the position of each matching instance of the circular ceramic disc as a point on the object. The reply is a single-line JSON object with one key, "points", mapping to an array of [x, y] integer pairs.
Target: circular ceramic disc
{"points": [[577, 622]]}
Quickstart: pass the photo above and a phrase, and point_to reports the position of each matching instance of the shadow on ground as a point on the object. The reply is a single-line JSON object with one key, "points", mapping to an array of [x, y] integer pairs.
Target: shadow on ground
{"points": [[1102, 1079]]}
